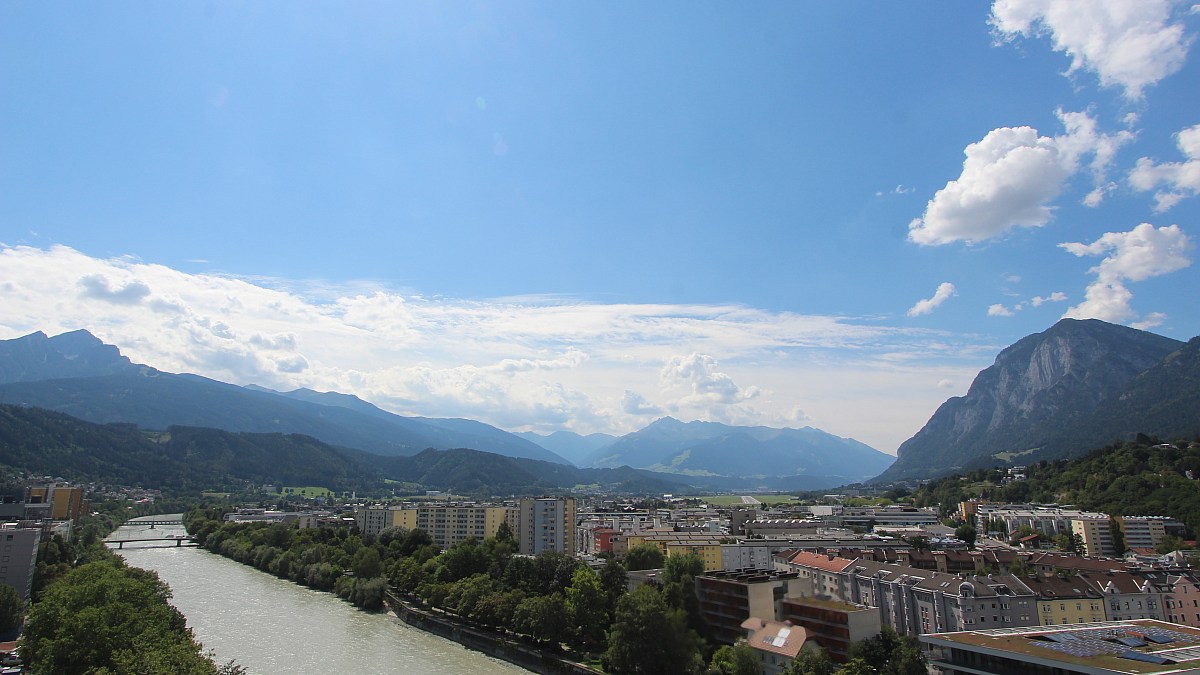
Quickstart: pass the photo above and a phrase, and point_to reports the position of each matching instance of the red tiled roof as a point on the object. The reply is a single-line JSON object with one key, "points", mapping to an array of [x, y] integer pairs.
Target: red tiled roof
{"points": [[829, 563]]}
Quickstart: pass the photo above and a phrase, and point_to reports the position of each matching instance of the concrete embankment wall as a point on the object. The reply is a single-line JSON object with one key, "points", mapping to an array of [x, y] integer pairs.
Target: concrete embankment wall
{"points": [[489, 643]]}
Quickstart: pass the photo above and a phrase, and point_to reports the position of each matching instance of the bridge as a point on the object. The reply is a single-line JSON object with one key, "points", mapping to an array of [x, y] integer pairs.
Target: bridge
{"points": [[180, 540], [153, 523]]}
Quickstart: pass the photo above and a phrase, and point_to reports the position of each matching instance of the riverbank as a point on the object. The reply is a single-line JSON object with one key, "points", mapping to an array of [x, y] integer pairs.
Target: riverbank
{"points": [[488, 642], [272, 626]]}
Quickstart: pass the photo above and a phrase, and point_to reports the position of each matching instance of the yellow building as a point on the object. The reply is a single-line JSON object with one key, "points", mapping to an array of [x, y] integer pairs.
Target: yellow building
{"points": [[1096, 535], [65, 503], [710, 553], [446, 525], [1066, 600]]}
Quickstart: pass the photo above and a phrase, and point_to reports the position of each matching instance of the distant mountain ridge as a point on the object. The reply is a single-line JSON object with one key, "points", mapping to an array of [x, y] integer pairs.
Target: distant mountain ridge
{"points": [[573, 446], [715, 449], [44, 441], [1077, 386], [78, 374]]}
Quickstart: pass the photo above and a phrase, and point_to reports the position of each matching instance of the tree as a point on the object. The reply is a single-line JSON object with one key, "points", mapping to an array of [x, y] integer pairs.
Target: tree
{"points": [[103, 615], [1169, 544], [889, 653], [544, 618], [676, 567], [11, 608], [367, 564], [648, 636], [615, 582], [738, 659], [966, 533], [587, 605], [643, 557]]}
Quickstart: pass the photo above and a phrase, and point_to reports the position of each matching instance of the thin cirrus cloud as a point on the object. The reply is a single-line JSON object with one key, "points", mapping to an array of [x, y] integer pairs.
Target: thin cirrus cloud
{"points": [[517, 363], [1136, 255], [1181, 179], [1130, 44], [944, 292], [1009, 178]]}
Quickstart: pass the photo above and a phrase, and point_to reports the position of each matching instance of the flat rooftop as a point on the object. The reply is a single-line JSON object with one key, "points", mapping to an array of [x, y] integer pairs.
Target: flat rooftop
{"points": [[1137, 647]]}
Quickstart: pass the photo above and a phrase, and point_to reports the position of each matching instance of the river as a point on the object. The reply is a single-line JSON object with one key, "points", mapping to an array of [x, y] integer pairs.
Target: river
{"points": [[269, 625]]}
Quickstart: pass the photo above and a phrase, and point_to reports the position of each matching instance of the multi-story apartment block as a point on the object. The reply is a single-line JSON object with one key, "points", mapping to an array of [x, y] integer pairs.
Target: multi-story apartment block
{"points": [[729, 598], [1048, 519], [18, 556], [55, 502], [1142, 531], [833, 625], [1096, 535], [1181, 597], [447, 525], [545, 524]]}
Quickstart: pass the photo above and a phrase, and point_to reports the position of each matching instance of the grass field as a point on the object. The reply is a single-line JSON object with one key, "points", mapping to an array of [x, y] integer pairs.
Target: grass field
{"points": [[308, 492], [736, 500]]}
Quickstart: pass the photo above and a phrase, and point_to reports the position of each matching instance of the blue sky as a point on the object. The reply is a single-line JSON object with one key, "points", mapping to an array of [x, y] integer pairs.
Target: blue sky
{"points": [[583, 216]]}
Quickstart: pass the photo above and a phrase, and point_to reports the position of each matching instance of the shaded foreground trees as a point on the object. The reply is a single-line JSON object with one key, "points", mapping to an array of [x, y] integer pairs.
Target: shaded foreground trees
{"points": [[107, 617]]}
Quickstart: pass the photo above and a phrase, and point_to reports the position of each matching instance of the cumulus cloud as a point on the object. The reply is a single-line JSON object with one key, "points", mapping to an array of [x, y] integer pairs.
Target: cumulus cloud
{"points": [[99, 287], [1010, 177], [927, 305], [1130, 44], [999, 310], [633, 403], [1181, 178], [1141, 253], [541, 363]]}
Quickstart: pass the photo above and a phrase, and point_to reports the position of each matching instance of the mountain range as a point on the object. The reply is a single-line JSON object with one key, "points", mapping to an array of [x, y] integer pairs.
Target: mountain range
{"points": [[77, 374], [1075, 387]]}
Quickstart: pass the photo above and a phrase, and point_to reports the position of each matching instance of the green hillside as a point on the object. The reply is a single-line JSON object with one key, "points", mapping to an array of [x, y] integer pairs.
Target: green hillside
{"points": [[1143, 478]]}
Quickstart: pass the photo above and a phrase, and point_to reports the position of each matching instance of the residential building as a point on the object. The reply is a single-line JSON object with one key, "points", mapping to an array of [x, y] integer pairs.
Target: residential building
{"points": [[545, 524], [1065, 600], [833, 625], [18, 556], [1096, 535], [446, 524], [1137, 647], [1126, 596], [729, 598], [1142, 531], [775, 643], [55, 502]]}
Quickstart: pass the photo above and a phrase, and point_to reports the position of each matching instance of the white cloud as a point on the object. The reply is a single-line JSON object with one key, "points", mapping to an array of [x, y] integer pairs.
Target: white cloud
{"points": [[633, 403], [540, 363], [945, 384], [1010, 177], [1056, 296], [943, 293], [999, 310], [1127, 43], [1182, 178], [1141, 253]]}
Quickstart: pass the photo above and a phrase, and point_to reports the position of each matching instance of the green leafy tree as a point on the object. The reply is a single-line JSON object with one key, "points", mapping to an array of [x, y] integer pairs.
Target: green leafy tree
{"points": [[587, 605], [1169, 544], [738, 659], [104, 617], [966, 533], [367, 564], [643, 557], [615, 581], [677, 567], [544, 618], [11, 608], [648, 636]]}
